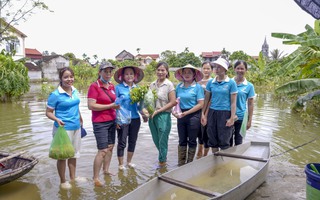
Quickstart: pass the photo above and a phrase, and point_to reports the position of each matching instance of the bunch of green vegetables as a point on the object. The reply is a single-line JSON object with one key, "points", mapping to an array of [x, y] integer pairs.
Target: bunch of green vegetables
{"points": [[137, 94], [61, 147]]}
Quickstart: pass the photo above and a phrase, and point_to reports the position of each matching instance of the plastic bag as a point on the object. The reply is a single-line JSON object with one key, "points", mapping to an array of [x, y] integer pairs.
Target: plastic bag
{"points": [[123, 116], [123, 113], [176, 109], [243, 128], [149, 103], [61, 147]]}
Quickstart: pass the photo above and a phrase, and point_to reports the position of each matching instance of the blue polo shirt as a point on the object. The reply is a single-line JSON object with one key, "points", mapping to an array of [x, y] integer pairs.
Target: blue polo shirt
{"points": [[66, 108], [122, 89], [189, 96], [245, 92], [221, 91]]}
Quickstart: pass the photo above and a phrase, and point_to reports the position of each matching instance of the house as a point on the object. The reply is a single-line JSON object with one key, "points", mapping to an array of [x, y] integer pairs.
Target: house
{"points": [[51, 65], [146, 59], [13, 40], [211, 56], [34, 71], [33, 54], [124, 55]]}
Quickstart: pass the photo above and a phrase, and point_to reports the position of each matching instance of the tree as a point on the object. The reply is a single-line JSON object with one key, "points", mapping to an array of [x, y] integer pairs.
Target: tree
{"points": [[138, 50], [15, 11], [276, 54], [14, 79], [303, 63], [45, 53], [181, 59], [70, 56], [225, 53], [170, 57], [239, 55], [187, 57]]}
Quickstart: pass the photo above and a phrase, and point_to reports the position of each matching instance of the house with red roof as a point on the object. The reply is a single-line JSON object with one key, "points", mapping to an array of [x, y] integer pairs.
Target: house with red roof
{"points": [[33, 54], [146, 59], [211, 56]]}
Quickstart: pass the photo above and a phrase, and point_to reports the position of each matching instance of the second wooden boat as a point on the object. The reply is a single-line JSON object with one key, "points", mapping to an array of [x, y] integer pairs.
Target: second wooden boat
{"points": [[229, 174], [13, 166]]}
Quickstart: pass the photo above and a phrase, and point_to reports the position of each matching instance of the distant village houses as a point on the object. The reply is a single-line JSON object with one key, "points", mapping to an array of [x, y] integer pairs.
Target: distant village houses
{"points": [[124, 55], [15, 41], [211, 56], [47, 66]]}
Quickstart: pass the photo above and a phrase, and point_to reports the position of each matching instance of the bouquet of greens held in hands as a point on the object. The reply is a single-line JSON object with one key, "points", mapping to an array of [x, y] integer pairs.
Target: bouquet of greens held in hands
{"points": [[137, 94], [146, 99]]}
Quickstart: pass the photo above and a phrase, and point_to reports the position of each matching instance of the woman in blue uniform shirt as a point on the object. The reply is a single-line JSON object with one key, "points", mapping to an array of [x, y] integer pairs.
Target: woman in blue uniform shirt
{"points": [[191, 102]]}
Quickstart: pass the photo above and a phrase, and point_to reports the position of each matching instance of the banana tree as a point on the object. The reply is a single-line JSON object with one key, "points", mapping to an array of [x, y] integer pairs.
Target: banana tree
{"points": [[303, 64]]}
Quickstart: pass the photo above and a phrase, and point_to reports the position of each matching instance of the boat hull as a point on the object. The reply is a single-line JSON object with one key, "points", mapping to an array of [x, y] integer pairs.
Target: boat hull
{"points": [[212, 174], [15, 167]]}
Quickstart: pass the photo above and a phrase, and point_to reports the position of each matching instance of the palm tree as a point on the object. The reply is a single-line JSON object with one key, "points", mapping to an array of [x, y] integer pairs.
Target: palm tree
{"points": [[303, 62], [276, 54]]}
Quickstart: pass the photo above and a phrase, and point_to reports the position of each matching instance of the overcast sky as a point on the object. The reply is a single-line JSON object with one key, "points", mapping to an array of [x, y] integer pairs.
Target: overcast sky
{"points": [[105, 28]]}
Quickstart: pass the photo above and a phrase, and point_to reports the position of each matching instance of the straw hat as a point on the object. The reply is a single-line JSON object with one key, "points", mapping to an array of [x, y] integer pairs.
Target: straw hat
{"points": [[222, 62], [198, 75], [138, 74]]}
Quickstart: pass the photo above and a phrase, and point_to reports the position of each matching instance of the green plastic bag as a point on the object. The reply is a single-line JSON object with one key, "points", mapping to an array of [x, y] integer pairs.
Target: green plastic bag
{"points": [[243, 129], [61, 147]]}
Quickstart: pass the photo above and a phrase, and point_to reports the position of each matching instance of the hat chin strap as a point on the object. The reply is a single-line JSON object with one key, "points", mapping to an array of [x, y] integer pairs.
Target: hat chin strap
{"points": [[136, 77]]}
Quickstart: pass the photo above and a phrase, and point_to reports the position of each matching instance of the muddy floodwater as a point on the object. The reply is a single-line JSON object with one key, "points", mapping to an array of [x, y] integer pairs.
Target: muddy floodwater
{"points": [[24, 126]]}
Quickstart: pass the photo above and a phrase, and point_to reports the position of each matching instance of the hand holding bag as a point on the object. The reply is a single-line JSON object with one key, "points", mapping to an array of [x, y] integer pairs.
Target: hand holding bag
{"points": [[61, 147]]}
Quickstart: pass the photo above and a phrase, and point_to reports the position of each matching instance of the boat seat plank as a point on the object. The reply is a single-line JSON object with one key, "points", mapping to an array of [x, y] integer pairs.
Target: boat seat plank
{"points": [[189, 186], [240, 156]]}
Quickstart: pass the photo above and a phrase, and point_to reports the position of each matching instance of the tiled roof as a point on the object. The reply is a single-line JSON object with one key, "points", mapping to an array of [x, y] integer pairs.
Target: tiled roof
{"points": [[47, 58], [14, 29], [32, 66], [210, 54], [32, 52], [144, 56]]}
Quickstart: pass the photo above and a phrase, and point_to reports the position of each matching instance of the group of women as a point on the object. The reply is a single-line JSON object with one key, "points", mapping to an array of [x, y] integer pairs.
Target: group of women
{"points": [[208, 109]]}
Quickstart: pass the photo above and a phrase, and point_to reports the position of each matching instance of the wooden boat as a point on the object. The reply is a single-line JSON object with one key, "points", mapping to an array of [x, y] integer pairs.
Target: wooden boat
{"points": [[13, 166], [230, 174]]}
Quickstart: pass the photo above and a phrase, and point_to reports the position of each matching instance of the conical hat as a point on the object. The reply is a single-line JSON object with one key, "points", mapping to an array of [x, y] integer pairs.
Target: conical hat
{"points": [[198, 75], [138, 74]]}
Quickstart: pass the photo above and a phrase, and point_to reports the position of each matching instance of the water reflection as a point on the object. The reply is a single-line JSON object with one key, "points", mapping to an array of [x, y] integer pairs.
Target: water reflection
{"points": [[24, 126], [18, 190]]}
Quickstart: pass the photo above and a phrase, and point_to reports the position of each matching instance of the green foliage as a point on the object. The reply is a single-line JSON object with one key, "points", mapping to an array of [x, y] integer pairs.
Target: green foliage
{"points": [[306, 58], [170, 57], [14, 80], [70, 56], [46, 89], [302, 64], [84, 75], [276, 54], [119, 64], [181, 59], [149, 72], [137, 94], [187, 57], [239, 55], [302, 100], [299, 86]]}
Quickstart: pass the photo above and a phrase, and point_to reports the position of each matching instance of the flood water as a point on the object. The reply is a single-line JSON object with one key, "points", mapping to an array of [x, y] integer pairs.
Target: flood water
{"points": [[24, 126]]}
